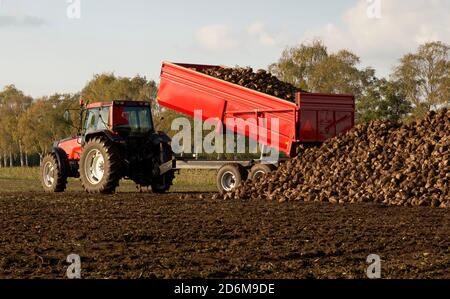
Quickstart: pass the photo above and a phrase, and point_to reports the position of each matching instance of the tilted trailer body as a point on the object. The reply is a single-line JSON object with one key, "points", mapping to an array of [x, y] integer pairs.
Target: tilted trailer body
{"points": [[313, 119]]}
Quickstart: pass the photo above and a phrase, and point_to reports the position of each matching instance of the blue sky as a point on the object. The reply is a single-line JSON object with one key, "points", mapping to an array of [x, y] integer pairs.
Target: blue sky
{"points": [[43, 51]]}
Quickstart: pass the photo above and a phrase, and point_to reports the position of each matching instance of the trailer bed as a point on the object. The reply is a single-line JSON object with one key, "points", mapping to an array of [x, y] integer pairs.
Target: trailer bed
{"points": [[278, 123]]}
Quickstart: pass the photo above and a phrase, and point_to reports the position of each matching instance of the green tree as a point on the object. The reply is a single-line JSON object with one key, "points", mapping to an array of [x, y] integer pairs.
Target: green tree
{"points": [[394, 105], [13, 103], [311, 67], [383, 101], [424, 77], [34, 129], [6, 137], [108, 87], [43, 123], [339, 73], [297, 64]]}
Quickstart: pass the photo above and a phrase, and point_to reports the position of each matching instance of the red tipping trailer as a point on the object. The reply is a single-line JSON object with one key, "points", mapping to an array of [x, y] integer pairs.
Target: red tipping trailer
{"points": [[313, 119]]}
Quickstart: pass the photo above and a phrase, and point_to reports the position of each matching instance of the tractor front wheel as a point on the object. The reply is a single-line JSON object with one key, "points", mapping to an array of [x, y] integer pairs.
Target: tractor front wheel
{"points": [[52, 177], [100, 166]]}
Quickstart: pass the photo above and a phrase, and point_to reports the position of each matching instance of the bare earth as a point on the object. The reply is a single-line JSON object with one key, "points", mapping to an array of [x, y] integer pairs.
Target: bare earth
{"points": [[153, 236]]}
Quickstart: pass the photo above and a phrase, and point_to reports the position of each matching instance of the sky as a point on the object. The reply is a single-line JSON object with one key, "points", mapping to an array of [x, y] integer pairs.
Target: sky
{"points": [[50, 46]]}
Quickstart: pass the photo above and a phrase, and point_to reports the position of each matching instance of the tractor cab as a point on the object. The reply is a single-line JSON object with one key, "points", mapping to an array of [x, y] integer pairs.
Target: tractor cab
{"points": [[124, 118]]}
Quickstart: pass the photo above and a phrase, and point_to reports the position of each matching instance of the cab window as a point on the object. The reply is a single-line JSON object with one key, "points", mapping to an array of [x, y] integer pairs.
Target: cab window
{"points": [[96, 119], [133, 119]]}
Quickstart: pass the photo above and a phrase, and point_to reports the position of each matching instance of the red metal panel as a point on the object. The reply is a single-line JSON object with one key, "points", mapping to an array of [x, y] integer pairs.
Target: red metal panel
{"points": [[326, 129], [324, 116], [308, 125], [345, 121], [72, 148], [185, 90], [99, 105]]}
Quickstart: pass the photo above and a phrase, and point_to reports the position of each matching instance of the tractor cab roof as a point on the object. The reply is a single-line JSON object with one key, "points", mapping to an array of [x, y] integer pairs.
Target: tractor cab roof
{"points": [[118, 103]]}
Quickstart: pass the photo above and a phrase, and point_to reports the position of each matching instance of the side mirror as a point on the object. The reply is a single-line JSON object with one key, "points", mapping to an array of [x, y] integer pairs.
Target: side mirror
{"points": [[66, 116]]}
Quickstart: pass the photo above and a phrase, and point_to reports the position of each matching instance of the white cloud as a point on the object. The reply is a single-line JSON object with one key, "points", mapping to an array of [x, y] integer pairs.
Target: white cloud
{"points": [[255, 28], [220, 37], [216, 37], [258, 30], [403, 26]]}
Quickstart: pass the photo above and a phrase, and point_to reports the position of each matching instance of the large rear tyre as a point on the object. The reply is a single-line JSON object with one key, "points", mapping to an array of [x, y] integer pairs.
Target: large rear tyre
{"points": [[163, 184], [230, 177], [100, 166], [52, 177]]}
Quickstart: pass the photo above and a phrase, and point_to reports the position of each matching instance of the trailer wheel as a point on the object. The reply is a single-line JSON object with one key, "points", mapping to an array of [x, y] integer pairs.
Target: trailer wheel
{"points": [[52, 177], [230, 177], [260, 170], [100, 166]]}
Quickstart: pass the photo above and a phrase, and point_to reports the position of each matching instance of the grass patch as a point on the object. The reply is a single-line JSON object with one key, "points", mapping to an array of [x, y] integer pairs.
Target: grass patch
{"points": [[27, 179], [28, 173]]}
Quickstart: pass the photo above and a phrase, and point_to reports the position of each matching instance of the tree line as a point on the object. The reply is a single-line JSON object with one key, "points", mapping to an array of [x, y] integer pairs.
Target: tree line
{"points": [[29, 127], [420, 82]]}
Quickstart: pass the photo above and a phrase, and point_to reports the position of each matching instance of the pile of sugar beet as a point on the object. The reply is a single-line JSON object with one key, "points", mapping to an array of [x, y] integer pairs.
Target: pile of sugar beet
{"points": [[260, 80], [379, 162]]}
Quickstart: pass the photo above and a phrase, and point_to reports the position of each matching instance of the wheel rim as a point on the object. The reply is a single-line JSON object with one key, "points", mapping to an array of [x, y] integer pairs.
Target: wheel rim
{"points": [[94, 167], [228, 181], [258, 174], [49, 174]]}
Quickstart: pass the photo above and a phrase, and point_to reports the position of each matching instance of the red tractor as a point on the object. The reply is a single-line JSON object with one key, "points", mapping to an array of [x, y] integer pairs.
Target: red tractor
{"points": [[117, 140]]}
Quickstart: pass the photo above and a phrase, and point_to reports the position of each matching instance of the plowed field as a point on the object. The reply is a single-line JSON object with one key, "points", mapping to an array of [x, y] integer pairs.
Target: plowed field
{"points": [[143, 235]]}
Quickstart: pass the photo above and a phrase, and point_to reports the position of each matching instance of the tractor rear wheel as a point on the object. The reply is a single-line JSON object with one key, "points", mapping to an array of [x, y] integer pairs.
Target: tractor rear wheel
{"points": [[163, 183], [52, 177], [100, 166]]}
